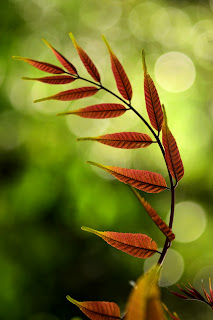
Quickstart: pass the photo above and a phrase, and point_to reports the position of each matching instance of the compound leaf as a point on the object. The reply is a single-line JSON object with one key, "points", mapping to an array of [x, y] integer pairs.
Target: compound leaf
{"points": [[144, 180], [135, 244], [124, 140]]}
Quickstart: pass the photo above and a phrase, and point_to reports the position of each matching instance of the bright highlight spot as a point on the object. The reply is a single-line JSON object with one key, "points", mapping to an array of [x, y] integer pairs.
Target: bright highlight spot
{"points": [[189, 221], [175, 71], [171, 26], [139, 20], [202, 35], [172, 268], [96, 18]]}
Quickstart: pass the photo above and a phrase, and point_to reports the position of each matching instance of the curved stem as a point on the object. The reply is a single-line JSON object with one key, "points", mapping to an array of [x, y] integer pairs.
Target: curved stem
{"points": [[167, 243]]}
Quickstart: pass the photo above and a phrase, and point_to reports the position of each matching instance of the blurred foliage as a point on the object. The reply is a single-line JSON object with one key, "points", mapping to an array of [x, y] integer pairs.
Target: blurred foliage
{"points": [[47, 191]]}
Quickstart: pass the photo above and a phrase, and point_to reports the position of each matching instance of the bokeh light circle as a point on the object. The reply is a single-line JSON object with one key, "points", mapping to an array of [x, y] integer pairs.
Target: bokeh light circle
{"points": [[175, 71], [190, 221], [168, 275], [203, 275]]}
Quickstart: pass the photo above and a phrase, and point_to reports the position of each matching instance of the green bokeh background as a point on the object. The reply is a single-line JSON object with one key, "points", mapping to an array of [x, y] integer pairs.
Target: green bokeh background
{"points": [[47, 191]]}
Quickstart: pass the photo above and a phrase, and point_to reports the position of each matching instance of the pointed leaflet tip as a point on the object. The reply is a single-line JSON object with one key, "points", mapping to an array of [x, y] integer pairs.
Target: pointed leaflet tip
{"points": [[47, 43], [72, 300], [164, 113], [72, 38], [17, 58], [144, 61], [42, 99], [106, 42], [89, 230]]}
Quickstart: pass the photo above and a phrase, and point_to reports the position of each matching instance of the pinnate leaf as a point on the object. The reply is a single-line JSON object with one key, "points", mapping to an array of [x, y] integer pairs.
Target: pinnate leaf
{"points": [[122, 81], [68, 65], [144, 180], [124, 140], [99, 111], [53, 79], [73, 94], [135, 244], [172, 154], [98, 310], [144, 301], [153, 104], [43, 66], [89, 65], [155, 217]]}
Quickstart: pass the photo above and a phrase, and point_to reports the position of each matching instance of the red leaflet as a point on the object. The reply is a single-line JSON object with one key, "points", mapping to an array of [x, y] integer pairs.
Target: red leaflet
{"points": [[54, 79], [153, 104], [89, 65], [147, 181], [68, 65], [99, 111], [98, 310], [192, 294], [73, 94], [122, 81], [124, 140], [172, 154], [155, 217], [43, 66], [135, 244]]}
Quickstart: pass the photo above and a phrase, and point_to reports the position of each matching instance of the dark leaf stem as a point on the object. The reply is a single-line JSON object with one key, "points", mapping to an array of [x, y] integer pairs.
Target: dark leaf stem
{"points": [[167, 243]]}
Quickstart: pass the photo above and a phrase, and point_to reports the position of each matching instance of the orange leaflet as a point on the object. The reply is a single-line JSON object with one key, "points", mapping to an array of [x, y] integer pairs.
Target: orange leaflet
{"points": [[124, 140], [73, 94], [122, 81], [68, 65], [147, 181], [172, 154], [54, 79], [135, 244], [155, 217], [153, 104], [98, 310], [43, 66], [144, 301], [99, 111], [89, 65]]}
